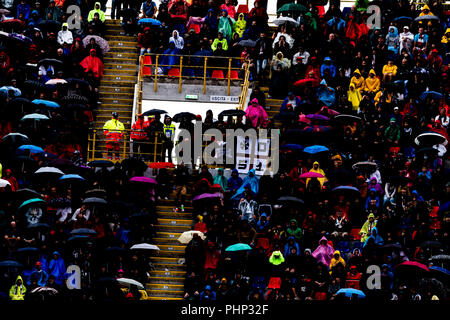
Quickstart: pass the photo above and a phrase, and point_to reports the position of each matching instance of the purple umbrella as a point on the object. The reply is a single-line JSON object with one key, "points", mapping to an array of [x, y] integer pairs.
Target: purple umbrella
{"points": [[20, 37], [314, 116], [143, 179], [206, 196]]}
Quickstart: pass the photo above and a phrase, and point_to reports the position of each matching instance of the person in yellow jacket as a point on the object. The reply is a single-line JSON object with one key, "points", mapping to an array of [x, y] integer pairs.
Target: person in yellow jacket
{"points": [[383, 95], [335, 260], [18, 290], [114, 131], [96, 9], [426, 11], [446, 36], [389, 71], [354, 96], [316, 168], [372, 83], [357, 80]]}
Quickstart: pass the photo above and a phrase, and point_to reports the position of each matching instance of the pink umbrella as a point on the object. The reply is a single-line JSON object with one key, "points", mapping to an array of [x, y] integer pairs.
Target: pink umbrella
{"points": [[143, 179], [413, 264], [311, 175], [304, 119]]}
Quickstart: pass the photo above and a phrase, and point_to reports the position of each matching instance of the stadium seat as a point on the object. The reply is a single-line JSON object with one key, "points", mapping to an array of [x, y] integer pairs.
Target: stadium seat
{"points": [[174, 72], [146, 70], [352, 284], [262, 243], [320, 296], [234, 75], [217, 74], [274, 283]]}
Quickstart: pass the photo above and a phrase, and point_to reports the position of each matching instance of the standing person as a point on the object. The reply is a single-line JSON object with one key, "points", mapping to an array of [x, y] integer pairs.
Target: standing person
{"points": [[256, 114], [154, 134], [169, 133], [181, 181], [114, 131], [139, 134]]}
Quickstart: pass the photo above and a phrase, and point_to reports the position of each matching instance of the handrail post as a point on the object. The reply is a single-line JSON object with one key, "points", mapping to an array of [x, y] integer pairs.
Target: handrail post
{"points": [[181, 72], [156, 73], [124, 146], [89, 145], [204, 75], [93, 144], [155, 148], [229, 76]]}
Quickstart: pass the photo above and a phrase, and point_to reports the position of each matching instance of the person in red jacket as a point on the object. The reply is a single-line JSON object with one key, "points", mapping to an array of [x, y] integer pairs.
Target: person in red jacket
{"points": [[14, 184], [139, 133], [353, 278]]}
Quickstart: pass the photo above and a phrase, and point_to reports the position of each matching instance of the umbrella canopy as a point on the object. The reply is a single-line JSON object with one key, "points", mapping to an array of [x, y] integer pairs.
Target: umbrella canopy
{"points": [[75, 98], [53, 82], [39, 226], [28, 250], [402, 18], [35, 201], [126, 281], [96, 193], [45, 290], [95, 201], [311, 175], [71, 177], [429, 151], [4, 183], [315, 116], [11, 264], [316, 129], [440, 257], [80, 82], [102, 43], [346, 118], [307, 81], [439, 272], [431, 244], [427, 17], [232, 112], [35, 116], [101, 163], [291, 146], [429, 139], [207, 196], [346, 189], [350, 292], [49, 170], [284, 20], [153, 112], [82, 231], [6, 89], [34, 84], [27, 193], [48, 25], [292, 7], [153, 22], [16, 138], [143, 180], [144, 246], [291, 200], [414, 265], [247, 43], [183, 115], [49, 61], [13, 23], [435, 95], [365, 166], [238, 247], [61, 164], [79, 239], [187, 236], [315, 149], [161, 165], [31, 148]]}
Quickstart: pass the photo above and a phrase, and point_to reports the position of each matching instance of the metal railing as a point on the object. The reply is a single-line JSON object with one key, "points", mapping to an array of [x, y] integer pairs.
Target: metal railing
{"points": [[200, 70], [245, 85]]}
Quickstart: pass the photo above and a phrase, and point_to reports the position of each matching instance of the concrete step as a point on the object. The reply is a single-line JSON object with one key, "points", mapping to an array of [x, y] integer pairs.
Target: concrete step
{"points": [[170, 266], [163, 298], [113, 94], [166, 260], [172, 222], [116, 101], [122, 43], [123, 49], [163, 286], [164, 207], [165, 293], [163, 273], [117, 90], [119, 83], [174, 215], [120, 72], [119, 78], [122, 38], [168, 280], [171, 253], [167, 241], [120, 66], [120, 55], [120, 60]]}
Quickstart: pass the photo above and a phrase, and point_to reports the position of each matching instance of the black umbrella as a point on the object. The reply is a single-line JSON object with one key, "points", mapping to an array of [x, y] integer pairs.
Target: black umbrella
{"points": [[50, 25], [183, 115], [99, 193], [34, 84], [429, 151], [19, 101], [95, 201], [78, 240], [365, 166], [80, 82], [26, 193], [50, 61], [133, 164], [101, 163], [152, 112], [232, 112], [75, 98], [431, 244], [39, 226], [28, 250], [10, 264], [83, 231], [16, 139], [289, 199], [76, 106], [430, 139], [247, 43], [427, 17], [61, 164]]}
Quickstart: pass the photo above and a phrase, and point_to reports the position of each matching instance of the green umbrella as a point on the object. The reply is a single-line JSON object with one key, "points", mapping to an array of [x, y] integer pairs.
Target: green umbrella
{"points": [[238, 247], [292, 7], [34, 200]]}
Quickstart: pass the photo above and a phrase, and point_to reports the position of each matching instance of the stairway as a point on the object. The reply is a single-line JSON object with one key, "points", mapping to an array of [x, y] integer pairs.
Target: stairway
{"points": [[272, 107], [166, 281], [119, 79]]}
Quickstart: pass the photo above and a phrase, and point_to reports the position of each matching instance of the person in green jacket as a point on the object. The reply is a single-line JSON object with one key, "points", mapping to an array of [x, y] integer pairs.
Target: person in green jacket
{"points": [[294, 230], [392, 132], [226, 24], [220, 179], [220, 39], [56, 12], [96, 9], [366, 230], [18, 290]]}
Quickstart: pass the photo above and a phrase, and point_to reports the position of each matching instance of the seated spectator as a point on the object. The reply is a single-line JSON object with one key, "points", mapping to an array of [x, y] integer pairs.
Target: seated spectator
{"points": [[96, 9], [93, 63]]}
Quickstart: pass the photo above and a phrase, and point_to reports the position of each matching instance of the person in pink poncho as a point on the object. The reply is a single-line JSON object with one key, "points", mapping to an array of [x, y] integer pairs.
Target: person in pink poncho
{"points": [[256, 114], [324, 252]]}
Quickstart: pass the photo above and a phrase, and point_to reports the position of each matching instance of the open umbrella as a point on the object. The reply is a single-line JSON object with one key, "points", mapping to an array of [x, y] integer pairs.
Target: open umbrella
{"points": [[79, 240], [292, 8], [34, 84], [439, 273], [6, 89], [311, 175], [412, 265], [316, 129], [431, 244], [27, 250], [4, 183], [99, 193], [50, 61], [284, 20], [133, 164], [61, 164], [187, 236], [350, 293], [13, 23], [102, 43], [144, 246], [427, 17], [56, 81], [238, 247], [143, 180], [27, 193], [101, 163], [84, 231], [150, 21], [315, 149], [16, 138], [365, 166], [35, 117], [95, 201], [128, 282], [435, 95], [82, 83], [50, 25], [71, 178], [152, 112], [429, 139], [75, 98], [441, 258], [315, 116], [292, 200], [4, 11], [347, 118], [183, 115], [34, 201], [161, 165], [346, 189], [402, 18], [307, 81], [291, 146], [247, 43], [10, 264], [232, 112], [31, 148], [49, 170], [206, 196]]}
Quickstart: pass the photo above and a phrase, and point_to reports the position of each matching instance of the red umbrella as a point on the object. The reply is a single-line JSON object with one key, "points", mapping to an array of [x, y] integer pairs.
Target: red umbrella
{"points": [[413, 264], [13, 23], [161, 165], [216, 186], [307, 81], [311, 175]]}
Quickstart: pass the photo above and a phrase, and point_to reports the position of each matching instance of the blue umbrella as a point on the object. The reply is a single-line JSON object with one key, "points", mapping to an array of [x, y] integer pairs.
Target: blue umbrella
{"points": [[315, 149], [28, 250], [10, 263], [439, 269], [238, 247], [31, 148], [402, 18], [291, 146], [6, 89], [153, 22], [20, 37], [35, 116], [67, 177], [346, 188], [78, 237], [349, 292], [82, 231], [435, 95], [47, 103]]}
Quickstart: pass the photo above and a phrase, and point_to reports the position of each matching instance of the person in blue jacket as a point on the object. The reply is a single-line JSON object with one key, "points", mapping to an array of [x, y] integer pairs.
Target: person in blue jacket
{"points": [[376, 237], [289, 99], [291, 243], [23, 8], [326, 94], [207, 294], [251, 181], [372, 196], [57, 268], [170, 61], [234, 182], [328, 65], [40, 275]]}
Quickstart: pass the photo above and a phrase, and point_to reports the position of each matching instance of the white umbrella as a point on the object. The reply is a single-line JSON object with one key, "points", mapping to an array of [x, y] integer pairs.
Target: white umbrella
{"points": [[145, 246], [186, 237], [283, 20], [56, 81], [49, 170], [4, 183], [127, 281]]}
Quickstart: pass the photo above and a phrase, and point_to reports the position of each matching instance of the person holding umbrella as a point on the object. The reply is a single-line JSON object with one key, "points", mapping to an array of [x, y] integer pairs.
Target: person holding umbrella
{"points": [[114, 131], [139, 134]]}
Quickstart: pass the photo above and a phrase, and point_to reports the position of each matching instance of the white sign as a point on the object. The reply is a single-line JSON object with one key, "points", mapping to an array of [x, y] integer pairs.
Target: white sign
{"points": [[243, 165], [224, 99], [74, 277]]}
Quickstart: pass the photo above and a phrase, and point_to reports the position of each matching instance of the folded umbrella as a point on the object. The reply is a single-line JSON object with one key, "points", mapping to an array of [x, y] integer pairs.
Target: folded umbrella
{"points": [[187, 236], [126, 281], [238, 247], [144, 246]]}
